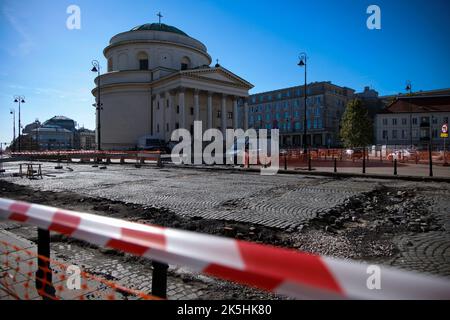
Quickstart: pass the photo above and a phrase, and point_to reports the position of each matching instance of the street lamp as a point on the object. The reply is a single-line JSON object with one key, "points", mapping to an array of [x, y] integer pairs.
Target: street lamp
{"points": [[13, 113], [19, 100], [37, 125], [98, 106], [409, 88], [303, 63]]}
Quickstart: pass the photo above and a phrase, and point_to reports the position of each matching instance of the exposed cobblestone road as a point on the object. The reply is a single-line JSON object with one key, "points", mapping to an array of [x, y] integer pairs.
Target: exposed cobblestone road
{"points": [[284, 201]]}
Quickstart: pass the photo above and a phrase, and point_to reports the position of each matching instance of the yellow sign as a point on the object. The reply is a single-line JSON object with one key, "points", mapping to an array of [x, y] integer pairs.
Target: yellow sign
{"points": [[444, 135]]}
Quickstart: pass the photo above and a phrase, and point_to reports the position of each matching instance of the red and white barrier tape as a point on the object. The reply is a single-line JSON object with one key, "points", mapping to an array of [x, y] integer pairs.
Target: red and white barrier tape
{"points": [[277, 270]]}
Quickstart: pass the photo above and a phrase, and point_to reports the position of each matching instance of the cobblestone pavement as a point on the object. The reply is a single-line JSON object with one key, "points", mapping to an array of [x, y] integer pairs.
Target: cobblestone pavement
{"points": [[283, 201], [428, 252]]}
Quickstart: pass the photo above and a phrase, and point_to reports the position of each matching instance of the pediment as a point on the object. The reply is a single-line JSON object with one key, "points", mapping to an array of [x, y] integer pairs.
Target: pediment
{"points": [[219, 74]]}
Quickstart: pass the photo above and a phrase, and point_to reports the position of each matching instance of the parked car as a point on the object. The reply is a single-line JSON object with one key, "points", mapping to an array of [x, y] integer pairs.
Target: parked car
{"points": [[243, 148], [402, 154]]}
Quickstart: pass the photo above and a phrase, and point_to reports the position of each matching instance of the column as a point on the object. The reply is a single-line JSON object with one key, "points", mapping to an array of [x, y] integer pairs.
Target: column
{"points": [[170, 113], [181, 92], [235, 113], [154, 114], [210, 110], [162, 119], [224, 115], [246, 115], [196, 105]]}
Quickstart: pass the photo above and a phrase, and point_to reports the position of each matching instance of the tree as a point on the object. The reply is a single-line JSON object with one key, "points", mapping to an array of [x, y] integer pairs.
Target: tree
{"points": [[356, 126]]}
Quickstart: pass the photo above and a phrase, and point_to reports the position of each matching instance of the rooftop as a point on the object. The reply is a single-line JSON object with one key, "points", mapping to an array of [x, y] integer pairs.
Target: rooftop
{"points": [[419, 104], [159, 27]]}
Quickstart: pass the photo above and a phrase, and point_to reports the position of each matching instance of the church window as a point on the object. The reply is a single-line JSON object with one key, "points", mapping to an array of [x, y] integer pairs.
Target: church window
{"points": [[185, 63], [177, 125], [219, 114], [143, 64], [192, 111], [167, 127], [143, 61], [230, 115], [178, 109]]}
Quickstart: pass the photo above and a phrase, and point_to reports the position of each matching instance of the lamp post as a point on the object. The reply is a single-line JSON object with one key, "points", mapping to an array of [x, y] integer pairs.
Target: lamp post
{"points": [[409, 88], [98, 105], [19, 100], [37, 133], [13, 113], [303, 63]]}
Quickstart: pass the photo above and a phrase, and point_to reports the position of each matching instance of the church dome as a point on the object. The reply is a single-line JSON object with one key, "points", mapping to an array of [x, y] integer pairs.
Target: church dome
{"points": [[159, 27]]}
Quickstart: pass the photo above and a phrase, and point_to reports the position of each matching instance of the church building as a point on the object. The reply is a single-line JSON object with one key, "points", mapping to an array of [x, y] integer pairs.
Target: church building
{"points": [[160, 79]]}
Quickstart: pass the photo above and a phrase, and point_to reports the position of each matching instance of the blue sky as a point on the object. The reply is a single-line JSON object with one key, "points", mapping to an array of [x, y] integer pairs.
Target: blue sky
{"points": [[258, 40]]}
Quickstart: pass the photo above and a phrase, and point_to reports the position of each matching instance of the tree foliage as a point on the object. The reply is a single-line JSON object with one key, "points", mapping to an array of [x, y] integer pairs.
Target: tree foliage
{"points": [[356, 126]]}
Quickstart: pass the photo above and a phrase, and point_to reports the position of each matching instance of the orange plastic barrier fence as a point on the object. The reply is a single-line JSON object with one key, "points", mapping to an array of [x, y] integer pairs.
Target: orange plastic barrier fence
{"points": [[19, 279]]}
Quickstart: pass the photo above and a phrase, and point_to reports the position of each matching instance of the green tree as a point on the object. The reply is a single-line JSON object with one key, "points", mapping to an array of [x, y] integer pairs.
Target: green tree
{"points": [[356, 126]]}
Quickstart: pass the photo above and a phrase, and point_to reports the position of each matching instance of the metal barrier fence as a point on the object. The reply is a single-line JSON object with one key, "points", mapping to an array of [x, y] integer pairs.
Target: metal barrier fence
{"points": [[277, 270], [363, 158], [92, 156]]}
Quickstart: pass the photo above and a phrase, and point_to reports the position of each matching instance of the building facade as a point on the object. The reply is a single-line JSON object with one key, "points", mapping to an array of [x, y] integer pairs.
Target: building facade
{"points": [[159, 79], [50, 137], [415, 120], [86, 139], [284, 109]]}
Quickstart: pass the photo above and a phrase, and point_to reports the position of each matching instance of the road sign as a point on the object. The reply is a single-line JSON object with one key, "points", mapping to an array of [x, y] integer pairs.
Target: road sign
{"points": [[445, 128], [444, 135]]}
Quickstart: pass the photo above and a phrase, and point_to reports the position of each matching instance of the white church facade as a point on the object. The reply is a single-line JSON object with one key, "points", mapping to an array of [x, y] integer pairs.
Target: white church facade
{"points": [[159, 79]]}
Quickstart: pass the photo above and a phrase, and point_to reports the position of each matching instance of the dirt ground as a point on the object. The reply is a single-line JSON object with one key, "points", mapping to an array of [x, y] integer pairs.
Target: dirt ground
{"points": [[365, 227]]}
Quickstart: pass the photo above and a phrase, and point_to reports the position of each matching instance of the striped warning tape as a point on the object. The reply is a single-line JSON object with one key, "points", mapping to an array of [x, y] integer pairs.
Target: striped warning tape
{"points": [[277, 270]]}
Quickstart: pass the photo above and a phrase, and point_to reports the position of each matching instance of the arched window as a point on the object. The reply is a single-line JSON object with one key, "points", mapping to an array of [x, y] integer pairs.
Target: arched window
{"points": [[143, 61], [110, 64], [185, 63]]}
